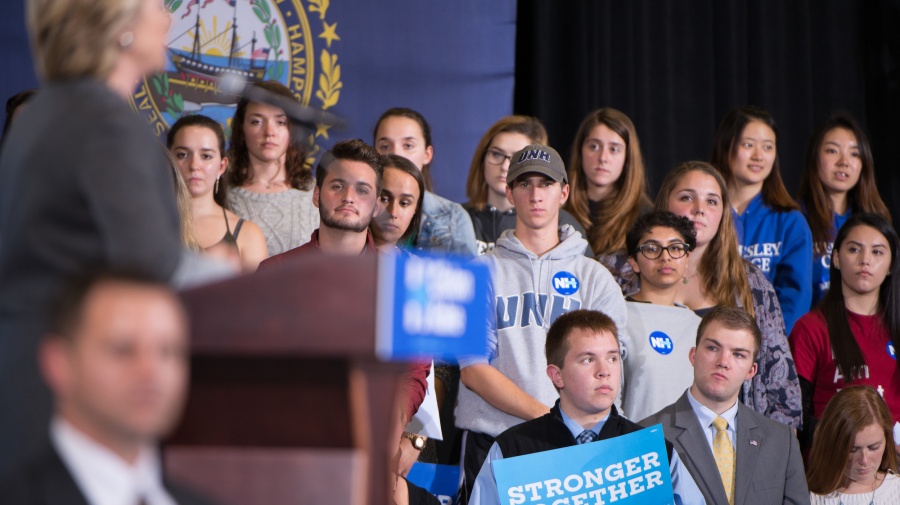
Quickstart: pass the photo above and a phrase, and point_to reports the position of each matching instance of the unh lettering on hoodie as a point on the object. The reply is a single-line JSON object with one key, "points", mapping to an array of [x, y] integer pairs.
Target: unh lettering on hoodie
{"points": [[527, 309]]}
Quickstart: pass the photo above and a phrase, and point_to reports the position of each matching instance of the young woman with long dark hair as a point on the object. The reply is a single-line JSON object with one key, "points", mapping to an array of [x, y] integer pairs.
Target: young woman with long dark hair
{"points": [[838, 180], [445, 226], [772, 232], [852, 336], [197, 144], [271, 181], [397, 224]]}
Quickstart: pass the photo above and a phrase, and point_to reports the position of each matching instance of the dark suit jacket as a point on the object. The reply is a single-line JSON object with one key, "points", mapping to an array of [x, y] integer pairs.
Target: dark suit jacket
{"points": [[769, 465], [47, 481]]}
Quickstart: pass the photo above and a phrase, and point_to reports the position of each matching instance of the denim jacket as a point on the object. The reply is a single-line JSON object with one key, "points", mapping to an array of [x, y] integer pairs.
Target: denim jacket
{"points": [[445, 227]]}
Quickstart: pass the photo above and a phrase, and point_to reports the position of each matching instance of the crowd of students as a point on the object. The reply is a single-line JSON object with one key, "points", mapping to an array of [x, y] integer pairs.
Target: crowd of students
{"points": [[709, 310]]}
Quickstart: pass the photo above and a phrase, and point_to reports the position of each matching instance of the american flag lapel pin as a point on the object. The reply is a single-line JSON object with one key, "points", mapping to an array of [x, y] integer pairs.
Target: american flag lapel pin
{"points": [[754, 442]]}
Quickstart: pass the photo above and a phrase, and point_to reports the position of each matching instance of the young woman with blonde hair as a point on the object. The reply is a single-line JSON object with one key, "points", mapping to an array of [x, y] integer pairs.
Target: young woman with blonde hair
{"points": [[85, 184], [717, 275]]}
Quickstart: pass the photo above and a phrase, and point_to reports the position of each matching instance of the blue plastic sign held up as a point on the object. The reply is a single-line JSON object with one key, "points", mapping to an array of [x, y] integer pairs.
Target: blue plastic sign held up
{"points": [[431, 306], [631, 469]]}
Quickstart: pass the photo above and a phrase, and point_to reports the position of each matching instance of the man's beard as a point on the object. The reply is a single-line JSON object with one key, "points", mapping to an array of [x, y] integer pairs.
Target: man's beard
{"points": [[346, 224]]}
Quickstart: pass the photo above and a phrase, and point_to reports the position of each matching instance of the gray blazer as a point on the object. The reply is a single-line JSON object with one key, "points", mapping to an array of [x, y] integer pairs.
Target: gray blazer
{"points": [[769, 465]]}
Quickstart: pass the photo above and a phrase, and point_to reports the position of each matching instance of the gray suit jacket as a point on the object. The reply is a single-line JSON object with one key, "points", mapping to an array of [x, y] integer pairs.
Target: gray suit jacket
{"points": [[769, 465]]}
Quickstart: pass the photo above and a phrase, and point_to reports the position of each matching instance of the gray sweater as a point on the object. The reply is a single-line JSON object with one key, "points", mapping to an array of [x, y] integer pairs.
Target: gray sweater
{"points": [[529, 293], [287, 219]]}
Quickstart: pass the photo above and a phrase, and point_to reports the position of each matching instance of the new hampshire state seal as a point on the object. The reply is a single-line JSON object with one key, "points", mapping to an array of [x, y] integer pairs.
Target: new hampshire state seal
{"points": [[289, 41]]}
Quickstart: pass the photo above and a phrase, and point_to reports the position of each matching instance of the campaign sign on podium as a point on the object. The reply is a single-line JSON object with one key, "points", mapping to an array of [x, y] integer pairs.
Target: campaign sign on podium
{"points": [[631, 469], [431, 306]]}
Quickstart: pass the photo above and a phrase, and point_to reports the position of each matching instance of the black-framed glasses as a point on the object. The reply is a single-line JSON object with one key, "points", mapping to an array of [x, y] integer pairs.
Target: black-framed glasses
{"points": [[496, 156], [654, 251]]}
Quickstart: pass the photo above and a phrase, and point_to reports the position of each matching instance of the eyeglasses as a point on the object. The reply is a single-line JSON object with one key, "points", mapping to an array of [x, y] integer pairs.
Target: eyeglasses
{"points": [[654, 251], [496, 157]]}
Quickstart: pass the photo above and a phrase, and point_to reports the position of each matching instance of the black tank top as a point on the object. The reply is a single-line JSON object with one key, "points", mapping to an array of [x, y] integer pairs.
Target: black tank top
{"points": [[229, 238]]}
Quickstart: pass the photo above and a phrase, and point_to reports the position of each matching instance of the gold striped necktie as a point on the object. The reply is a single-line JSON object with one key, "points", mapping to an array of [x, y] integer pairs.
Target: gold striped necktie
{"points": [[723, 451]]}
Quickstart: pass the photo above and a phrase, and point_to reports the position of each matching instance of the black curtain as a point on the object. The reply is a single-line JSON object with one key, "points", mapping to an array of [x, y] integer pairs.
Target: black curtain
{"points": [[677, 67]]}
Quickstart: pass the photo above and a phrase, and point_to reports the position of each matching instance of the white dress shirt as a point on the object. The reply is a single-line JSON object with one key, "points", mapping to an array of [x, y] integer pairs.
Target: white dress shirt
{"points": [[706, 417], [102, 476]]}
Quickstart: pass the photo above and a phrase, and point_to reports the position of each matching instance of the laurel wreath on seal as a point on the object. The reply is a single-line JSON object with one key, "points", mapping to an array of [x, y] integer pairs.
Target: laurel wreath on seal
{"points": [[320, 6], [273, 36], [174, 102], [329, 81], [330, 84]]}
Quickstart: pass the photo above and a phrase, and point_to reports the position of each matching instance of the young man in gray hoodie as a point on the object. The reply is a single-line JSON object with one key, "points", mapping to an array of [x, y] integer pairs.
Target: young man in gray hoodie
{"points": [[539, 273]]}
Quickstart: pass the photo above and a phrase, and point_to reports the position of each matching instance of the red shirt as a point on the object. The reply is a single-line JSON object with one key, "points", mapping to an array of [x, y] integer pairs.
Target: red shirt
{"points": [[312, 246], [815, 362], [415, 381]]}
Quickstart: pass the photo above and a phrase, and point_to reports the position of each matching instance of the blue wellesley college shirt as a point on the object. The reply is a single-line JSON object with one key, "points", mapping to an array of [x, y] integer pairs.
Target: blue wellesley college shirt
{"points": [[822, 262], [780, 245]]}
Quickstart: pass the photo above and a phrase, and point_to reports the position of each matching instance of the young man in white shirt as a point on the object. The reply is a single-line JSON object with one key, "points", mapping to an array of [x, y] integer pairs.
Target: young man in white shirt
{"points": [[735, 454]]}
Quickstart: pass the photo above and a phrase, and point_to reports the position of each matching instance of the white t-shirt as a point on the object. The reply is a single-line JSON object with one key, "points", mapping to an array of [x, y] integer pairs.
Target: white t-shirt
{"points": [[886, 494]]}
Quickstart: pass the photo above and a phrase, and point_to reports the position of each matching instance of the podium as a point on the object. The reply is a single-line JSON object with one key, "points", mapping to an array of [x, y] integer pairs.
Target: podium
{"points": [[288, 403]]}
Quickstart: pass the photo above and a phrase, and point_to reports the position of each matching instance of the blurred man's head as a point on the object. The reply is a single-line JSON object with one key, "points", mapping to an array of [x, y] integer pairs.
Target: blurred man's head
{"points": [[116, 358]]}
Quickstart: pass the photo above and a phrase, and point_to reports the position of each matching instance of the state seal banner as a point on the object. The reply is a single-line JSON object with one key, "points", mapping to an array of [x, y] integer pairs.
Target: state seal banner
{"points": [[453, 62]]}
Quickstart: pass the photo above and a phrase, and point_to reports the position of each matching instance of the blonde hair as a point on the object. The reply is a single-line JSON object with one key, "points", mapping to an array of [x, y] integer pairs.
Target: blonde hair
{"points": [[77, 38], [183, 201], [476, 188], [606, 229]]}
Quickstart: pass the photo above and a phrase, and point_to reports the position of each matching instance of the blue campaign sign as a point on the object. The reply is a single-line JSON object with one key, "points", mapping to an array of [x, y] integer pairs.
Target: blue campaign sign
{"points": [[431, 306], [440, 480], [630, 469]]}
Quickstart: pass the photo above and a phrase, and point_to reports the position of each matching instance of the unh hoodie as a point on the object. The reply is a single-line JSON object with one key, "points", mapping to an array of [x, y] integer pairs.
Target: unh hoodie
{"points": [[529, 293]]}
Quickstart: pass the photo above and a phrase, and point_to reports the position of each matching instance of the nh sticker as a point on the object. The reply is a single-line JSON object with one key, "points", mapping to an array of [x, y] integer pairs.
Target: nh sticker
{"points": [[661, 343], [565, 283]]}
